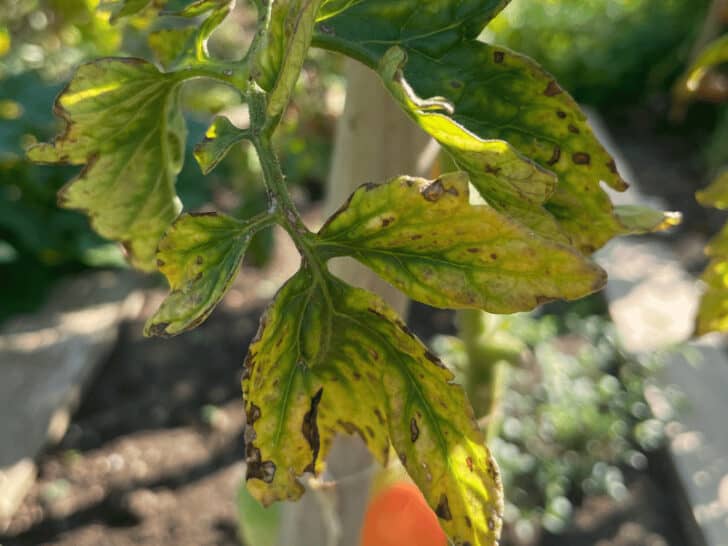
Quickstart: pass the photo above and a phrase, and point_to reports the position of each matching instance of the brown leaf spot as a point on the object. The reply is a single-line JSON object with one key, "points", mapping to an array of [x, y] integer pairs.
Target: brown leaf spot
{"points": [[581, 158], [403, 458], [158, 329], [491, 524], [493, 256], [379, 416], [433, 191], [555, 156], [310, 430], [253, 414], [455, 84], [469, 462], [352, 429], [160, 263], [473, 250], [370, 432], [357, 376], [553, 89], [468, 522], [574, 129], [443, 508], [414, 430], [490, 169], [257, 469], [416, 237], [375, 354], [612, 166], [561, 114], [387, 221], [540, 300], [498, 56], [199, 260]]}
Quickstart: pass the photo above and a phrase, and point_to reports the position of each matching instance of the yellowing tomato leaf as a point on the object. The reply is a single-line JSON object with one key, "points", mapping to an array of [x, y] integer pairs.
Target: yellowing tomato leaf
{"points": [[491, 93], [123, 122], [426, 239], [328, 359], [200, 255]]}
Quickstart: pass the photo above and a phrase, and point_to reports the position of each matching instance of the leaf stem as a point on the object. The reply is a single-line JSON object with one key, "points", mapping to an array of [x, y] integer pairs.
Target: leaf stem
{"points": [[281, 204]]}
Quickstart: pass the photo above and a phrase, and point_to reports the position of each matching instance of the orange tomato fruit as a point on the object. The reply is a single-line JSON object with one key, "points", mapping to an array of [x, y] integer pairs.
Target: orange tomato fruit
{"points": [[400, 516]]}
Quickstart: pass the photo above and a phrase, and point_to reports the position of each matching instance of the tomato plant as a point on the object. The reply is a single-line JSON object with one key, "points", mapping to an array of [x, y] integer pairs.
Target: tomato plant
{"points": [[509, 229]]}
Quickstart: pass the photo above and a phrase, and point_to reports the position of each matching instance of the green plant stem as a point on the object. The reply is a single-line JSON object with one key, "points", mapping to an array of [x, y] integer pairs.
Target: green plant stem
{"points": [[281, 204]]}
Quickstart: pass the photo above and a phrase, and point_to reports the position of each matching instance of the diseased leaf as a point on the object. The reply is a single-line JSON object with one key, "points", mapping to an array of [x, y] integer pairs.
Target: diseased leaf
{"points": [[429, 241], [170, 44], [200, 255], [123, 122], [219, 138], [328, 359], [511, 183], [280, 56], [492, 93]]}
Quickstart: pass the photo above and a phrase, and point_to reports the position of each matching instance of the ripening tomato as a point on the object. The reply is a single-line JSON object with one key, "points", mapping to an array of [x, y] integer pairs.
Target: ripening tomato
{"points": [[400, 516]]}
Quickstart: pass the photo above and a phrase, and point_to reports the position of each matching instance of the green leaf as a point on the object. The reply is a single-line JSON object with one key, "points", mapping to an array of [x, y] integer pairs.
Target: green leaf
{"points": [[219, 138], [215, 11], [130, 7], [713, 311], [280, 55], [512, 184], [493, 93], [200, 255], [714, 54], [431, 24], [123, 122], [328, 359], [426, 239], [716, 194]]}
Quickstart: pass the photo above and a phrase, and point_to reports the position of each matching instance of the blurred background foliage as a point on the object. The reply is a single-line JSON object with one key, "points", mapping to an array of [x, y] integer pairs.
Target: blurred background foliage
{"points": [[572, 410]]}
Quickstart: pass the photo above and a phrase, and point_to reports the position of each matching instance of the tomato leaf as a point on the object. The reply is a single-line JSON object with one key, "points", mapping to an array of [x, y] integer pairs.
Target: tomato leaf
{"points": [[429, 241], [492, 93], [219, 138], [280, 55], [328, 359], [200, 255], [123, 122]]}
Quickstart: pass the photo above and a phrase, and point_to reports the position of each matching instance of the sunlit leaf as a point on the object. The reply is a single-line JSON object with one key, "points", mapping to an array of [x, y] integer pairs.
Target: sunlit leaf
{"points": [[219, 138], [280, 56], [429, 241], [124, 124], [492, 93], [512, 184], [329, 359], [200, 255]]}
